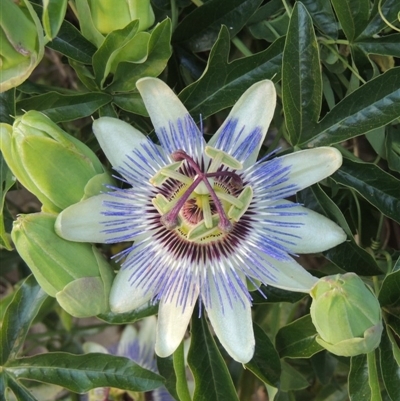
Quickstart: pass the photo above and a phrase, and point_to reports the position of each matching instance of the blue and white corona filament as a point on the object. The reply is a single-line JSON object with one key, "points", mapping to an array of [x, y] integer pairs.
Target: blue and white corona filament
{"points": [[205, 218]]}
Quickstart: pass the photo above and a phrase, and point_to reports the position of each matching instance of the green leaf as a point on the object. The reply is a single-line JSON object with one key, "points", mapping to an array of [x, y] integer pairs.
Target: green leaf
{"points": [[72, 44], [20, 391], [390, 368], [182, 389], [53, 16], [18, 318], [323, 16], [353, 16], [301, 76], [223, 83], [212, 378], [375, 185], [273, 294], [389, 9], [158, 53], [166, 369], [392, 145], [297, 339], [359, 389], [265, 363], [348, 256], [292, 379], [270, 22], [108, 51], [373, 105], [7, 180], [80, 373], [7, 106], [200, 28], [61, 108], [129, 317], [131, 102], [389, 295], [386, 45], [324, 365]]}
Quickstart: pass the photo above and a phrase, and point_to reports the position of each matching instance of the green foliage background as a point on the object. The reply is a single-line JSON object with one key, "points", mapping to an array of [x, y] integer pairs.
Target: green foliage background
{"points": [[337, 73]]}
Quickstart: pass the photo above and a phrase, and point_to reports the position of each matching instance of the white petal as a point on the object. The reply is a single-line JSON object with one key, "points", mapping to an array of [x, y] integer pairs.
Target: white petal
{"points": [[124, 296], [172, 324], [308, 231], [118, 139], [173, 125], [81, 222], [232, 323], [286, 274], [253, 113], [310, 166]]}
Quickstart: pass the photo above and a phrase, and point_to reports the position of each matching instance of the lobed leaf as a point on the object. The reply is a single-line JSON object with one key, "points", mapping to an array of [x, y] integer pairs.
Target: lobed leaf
{"points": [[200, 28], [211, 375], [70, 42], [223, 83], [301, 76], [53, 16], [60, 108], [375, 185], [373, 105], [389, 294], [81, 373], [353, 16], [359, 389], [348, 256], [323, 16], [297, 339], [265, 363], [18, 318], [390, 368]]}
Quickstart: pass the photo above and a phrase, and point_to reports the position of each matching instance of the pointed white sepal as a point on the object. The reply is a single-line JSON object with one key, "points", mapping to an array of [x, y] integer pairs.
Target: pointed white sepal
{"points": [[83, 221], [310, 166], [254, 109], [174, 126], [118, 139], [124, 296], [232, 325], [173, 321], [309, 232]]}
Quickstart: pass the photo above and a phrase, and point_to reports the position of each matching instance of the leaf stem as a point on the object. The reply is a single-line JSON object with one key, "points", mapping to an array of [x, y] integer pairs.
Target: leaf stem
{"points": [[359, 226], [241, 47]]}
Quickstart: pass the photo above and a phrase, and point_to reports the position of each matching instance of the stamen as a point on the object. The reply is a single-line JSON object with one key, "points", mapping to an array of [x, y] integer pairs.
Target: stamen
{"points": [[224, 223], [236, 180], [170, 219]]}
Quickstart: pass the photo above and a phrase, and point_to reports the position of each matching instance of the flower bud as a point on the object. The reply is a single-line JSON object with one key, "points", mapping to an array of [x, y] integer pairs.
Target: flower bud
{"points": [[100, 17], [22, 44], [74, 273], [346, 314], [51, 164]]}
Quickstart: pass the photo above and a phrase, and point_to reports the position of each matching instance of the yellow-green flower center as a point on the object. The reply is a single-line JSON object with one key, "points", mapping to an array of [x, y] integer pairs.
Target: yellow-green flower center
{"points": [[203, 206]]}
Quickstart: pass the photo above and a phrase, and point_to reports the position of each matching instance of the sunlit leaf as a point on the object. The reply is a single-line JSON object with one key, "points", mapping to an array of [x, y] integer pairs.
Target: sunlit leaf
{"points": [[62, 108], [80, 373]]}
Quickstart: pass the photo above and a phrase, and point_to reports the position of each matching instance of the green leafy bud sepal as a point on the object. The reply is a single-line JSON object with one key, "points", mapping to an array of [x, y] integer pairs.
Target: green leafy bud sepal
{"points": [[346, 314], [76, 274]]}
